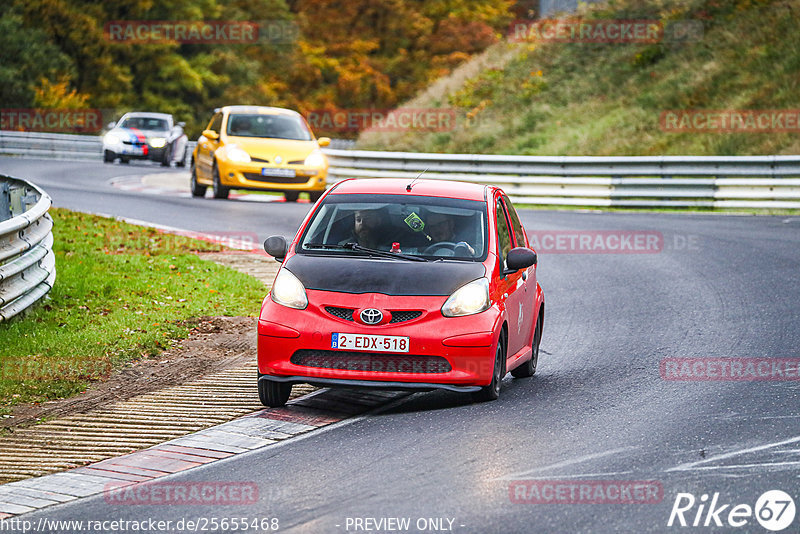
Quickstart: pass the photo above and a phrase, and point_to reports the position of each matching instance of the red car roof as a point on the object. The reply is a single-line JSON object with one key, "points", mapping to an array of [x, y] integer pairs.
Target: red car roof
{"points": [[431, 188]]}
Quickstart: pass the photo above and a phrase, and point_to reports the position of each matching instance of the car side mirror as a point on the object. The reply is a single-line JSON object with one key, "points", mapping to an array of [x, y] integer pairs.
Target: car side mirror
{"points": [[276, 246], [324, 141], [111, 125], [520, 258], [182, 124], [210, 134]]}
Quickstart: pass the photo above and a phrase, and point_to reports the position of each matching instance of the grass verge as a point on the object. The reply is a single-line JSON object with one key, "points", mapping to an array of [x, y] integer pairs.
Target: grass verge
{"points": [[122, 292]]}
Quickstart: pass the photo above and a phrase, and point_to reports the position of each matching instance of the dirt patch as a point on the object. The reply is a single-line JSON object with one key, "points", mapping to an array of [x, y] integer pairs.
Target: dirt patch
{"points": [[214, 344]]}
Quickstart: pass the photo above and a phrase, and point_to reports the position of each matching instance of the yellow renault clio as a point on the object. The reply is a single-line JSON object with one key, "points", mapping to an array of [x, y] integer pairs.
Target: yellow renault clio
{"points": [[259, 148]]}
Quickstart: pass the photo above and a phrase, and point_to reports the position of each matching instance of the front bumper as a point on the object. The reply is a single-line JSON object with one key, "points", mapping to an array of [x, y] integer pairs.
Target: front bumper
{"points": [[249, 176], [444, 353], [369, 384]]}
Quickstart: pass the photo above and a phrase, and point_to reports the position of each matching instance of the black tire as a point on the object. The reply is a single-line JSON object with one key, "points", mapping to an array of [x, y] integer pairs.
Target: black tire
{"points": [[492, 391], [528, 368], [197, 189], [182, 162], [291, 196], [108, 156], [166, 159], [313, 196], [124, 160], [217, 188], [273, 394]]}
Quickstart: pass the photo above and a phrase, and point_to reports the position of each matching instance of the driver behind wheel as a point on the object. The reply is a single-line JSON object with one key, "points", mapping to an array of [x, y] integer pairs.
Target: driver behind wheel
{"points": [[442, 228]]}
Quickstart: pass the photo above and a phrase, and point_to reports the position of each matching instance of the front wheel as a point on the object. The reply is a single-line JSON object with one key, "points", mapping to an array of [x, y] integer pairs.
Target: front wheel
{"points": [[291, 196], [529, 368], [492, 391], [182, 162], [273, 394], [108, 156], [217, 188], [313, 196], [166, 159]]}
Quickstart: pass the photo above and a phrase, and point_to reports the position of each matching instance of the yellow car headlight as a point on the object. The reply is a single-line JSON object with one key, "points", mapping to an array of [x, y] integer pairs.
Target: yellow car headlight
{"points": [[316, 159], [237, 154], [158, 142]]}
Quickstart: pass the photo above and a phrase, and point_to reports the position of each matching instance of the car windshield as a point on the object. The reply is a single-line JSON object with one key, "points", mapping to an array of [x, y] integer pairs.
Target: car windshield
{"points": [[428, 227], [268, 126], [146, 123]]}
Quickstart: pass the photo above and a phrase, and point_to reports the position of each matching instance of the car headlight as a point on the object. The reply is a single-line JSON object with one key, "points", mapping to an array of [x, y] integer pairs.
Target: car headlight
{"points": [[111, 139], [468, 299], [236, 154], [289, 291], [158, 142], [316, 159]]}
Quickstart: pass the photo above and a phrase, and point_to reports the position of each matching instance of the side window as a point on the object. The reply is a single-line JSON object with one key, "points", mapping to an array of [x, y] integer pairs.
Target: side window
{"points": [[216, 123], [519, 233], [503, 234]]}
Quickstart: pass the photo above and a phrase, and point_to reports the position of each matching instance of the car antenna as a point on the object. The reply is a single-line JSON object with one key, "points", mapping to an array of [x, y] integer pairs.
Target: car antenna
{"points": [[409, 186]]}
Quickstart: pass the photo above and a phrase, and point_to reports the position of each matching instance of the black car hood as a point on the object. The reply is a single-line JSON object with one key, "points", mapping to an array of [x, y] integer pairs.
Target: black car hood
{"points": [[356, 274]]}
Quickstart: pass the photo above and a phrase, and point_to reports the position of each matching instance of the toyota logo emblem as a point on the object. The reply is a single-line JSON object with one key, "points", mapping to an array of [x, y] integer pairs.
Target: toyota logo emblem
{"points": [[278, 159], [371, 316]]}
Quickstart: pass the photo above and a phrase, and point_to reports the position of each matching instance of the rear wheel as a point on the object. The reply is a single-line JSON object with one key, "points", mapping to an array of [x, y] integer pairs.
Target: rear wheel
{"points": [[197, 189], [492, 391], [291, 196], [218, 189], [529, 368], [124, 160], [273, 394], [313, 196]]}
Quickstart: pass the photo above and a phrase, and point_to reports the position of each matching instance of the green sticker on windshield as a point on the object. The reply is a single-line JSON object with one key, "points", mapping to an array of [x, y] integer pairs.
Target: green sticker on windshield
{"points": [[415, 223]]}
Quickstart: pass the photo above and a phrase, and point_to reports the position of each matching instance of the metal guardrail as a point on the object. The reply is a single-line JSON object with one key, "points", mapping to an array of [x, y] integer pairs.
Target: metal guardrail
{"points": [[27, 262], [76, 147], [663, 181], [635, 182]]}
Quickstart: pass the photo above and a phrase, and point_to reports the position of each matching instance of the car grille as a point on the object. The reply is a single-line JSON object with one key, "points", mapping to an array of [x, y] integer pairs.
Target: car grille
{"points": [[341, 313], [276, 179], [371, 362], [402, 316], [399, 316]]}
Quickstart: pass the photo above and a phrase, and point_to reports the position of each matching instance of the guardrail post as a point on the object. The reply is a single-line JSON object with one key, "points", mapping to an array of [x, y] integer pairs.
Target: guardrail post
{"points": [[5, 201]]}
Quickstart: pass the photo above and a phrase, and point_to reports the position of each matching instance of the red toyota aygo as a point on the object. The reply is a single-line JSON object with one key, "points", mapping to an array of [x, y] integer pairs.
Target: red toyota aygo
{"points": [[402, 284]]}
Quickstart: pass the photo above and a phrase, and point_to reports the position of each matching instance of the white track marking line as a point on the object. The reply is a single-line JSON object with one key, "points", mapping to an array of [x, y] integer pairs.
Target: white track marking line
{"points": [[693, 465], [565, 463]]}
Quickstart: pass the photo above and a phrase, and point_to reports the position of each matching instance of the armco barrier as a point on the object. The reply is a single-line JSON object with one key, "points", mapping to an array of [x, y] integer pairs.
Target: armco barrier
{"points": [[27, 262], [662, 181], [636, 182], [73, 146]]}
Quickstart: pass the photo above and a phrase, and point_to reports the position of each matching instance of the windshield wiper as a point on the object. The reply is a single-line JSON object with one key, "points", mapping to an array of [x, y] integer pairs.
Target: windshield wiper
{"points": [[359, 248]]}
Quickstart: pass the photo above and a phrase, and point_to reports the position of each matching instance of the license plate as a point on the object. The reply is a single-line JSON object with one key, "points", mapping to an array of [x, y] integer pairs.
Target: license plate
{"points": [[280, 173], [369, 342], [135, 151]]}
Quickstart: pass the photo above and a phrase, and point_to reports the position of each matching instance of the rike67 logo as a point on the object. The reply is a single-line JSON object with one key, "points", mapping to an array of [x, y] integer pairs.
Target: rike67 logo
{"points": [[774, 510]]}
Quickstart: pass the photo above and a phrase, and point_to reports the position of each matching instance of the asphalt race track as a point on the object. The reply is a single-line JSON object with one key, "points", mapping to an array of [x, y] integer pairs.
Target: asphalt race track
{"points": [[598, 408]]}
